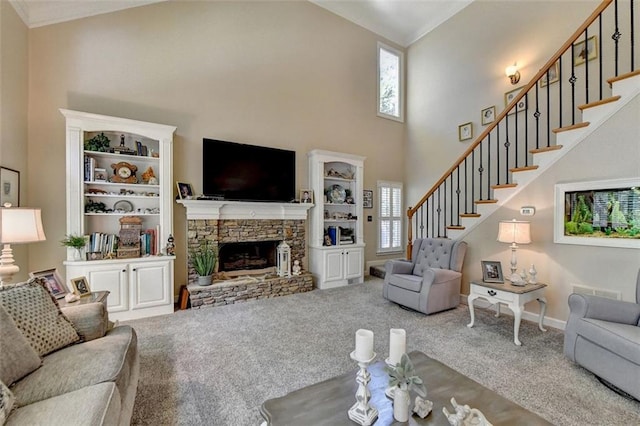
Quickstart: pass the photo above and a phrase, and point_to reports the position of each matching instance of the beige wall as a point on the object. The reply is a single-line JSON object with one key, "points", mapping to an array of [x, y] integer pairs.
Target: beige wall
{"points": [[283, 74], [13, 111], [456, 71]]}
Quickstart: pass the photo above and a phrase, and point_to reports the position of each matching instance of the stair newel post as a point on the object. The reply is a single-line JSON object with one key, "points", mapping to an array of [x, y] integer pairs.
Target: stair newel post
{"points": [[458, 194], [409, 233]]}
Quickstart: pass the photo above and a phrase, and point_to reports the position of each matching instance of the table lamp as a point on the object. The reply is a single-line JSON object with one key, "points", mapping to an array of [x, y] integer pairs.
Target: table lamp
{"points": [[514, 232], [18, 225]]}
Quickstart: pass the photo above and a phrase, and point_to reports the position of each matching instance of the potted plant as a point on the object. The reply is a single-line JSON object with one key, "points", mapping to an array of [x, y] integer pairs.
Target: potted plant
{"points": [[77, 242], [403, 378], [204, 263]]}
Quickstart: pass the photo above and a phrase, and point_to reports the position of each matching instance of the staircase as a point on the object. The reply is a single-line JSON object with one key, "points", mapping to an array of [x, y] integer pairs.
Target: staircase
{"points": [[541, 125]]}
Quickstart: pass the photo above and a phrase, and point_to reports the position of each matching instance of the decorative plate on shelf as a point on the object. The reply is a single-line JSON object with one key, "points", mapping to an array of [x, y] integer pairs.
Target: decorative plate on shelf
{"points": [[337, 194], [123, 206]]}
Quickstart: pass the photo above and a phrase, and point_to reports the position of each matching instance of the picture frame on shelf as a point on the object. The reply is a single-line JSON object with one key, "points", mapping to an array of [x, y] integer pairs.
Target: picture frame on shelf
{"points": [[185, 190], [465, 131], [585, 50], [488, 115], [306, 196], [554, 75], [510, 96], [367, 199], [9, 186], [492, 271], [81, 286], [54, 283]]}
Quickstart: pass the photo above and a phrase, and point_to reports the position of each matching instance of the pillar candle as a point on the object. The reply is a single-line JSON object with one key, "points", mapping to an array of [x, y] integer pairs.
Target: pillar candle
{"points": [[364, 344], [397, 344]]}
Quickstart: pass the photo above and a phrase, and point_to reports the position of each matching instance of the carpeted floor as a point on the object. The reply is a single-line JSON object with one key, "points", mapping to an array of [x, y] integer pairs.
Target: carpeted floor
{"points": [[216, 366]]}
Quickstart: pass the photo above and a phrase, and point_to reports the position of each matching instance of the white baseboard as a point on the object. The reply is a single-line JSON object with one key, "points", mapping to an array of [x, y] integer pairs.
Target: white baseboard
{"points": [[529, 316]]}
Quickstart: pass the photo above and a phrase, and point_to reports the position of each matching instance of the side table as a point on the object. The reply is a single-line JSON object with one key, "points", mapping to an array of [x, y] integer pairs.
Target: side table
{"points": [[95, 296], [513, 296]]}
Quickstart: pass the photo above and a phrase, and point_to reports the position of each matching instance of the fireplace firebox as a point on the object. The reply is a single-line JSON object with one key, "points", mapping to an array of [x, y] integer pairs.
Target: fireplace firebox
{"points": [[247, 256]]}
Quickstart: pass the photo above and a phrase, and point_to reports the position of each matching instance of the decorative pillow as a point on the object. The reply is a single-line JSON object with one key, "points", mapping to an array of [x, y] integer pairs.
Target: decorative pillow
{"points": [[18, 358], [37, 315], [6, 402]]}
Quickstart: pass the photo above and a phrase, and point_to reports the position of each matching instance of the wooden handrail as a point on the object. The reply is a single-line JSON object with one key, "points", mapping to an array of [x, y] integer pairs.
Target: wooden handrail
{"points": [[412, 210]]}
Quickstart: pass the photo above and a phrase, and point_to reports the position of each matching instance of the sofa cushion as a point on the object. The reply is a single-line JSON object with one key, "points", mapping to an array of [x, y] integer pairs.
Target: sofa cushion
{"points": [[433, 253], [93, 405], [18, 356], [37, 315], [108, 359], [407, 282], [7, 400], [622, 339]]}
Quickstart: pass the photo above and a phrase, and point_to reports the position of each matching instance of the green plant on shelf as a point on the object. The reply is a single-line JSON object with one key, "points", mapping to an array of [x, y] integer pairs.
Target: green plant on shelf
{"points": [[99, 143]]}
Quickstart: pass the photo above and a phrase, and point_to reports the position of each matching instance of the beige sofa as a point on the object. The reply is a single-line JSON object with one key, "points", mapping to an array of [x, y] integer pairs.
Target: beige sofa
{"points": [[90, 382]]}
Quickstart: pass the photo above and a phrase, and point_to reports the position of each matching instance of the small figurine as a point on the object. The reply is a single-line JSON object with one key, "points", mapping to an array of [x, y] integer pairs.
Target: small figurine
{"points": [[148, 175], [297, 269], [422, 407], [532, 274], [171, 248]]}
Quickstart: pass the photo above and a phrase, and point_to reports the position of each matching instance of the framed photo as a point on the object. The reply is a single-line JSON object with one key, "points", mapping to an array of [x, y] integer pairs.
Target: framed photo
{"points": [[54, 282], [510, 96], [185, 190], [367, 199], [583, 52], [81, 286], [488, 115], [492, 271], [306, 196], [9, 187], [465, 131], [554, 75]]}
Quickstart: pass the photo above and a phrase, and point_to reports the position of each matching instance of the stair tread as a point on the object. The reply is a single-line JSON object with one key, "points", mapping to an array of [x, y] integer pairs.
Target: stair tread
{"points": [[504, 185], [523, 169], [623, 76], [485, 201], [600, 102], [572, 127], [545, 149], [455, 227], [470, 215]]}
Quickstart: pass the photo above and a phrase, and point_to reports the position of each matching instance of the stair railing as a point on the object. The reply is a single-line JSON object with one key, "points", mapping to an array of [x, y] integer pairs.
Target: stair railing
{"points": [[530, 121]]}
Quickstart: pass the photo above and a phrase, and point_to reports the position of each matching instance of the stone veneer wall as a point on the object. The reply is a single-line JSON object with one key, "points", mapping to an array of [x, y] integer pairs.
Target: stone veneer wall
{"points": [[245, 230]]}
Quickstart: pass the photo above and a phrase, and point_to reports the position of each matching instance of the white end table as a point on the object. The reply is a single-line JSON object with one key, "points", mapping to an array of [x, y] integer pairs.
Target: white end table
{"points": [[513, 296]]}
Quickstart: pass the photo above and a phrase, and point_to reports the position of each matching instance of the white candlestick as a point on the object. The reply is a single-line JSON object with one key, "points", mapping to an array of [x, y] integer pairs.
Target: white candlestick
{"points": [[397, 345], [364, 344]]}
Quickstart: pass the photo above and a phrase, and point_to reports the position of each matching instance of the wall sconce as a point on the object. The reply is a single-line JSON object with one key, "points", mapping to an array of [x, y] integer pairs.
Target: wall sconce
{"points": [[513, 73]]}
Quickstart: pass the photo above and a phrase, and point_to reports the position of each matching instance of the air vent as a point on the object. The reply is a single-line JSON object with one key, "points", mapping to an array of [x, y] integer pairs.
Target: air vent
{"points": [[609, 294]]}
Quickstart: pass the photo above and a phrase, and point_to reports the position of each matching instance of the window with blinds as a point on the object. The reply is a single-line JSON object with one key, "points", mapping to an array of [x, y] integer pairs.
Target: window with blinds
{"points": [[389, 217]]}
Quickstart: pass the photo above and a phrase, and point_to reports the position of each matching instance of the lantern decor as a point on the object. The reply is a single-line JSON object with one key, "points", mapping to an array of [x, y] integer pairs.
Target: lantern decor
{"points": [[284, 260]]}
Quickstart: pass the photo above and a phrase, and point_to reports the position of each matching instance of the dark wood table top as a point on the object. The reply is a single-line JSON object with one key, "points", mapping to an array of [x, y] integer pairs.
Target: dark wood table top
{"points": [[327, 403]]}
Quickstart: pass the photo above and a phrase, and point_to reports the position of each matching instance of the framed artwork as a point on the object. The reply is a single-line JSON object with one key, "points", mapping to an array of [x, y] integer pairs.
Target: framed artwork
{"points": [[488, 115], [465, 131], [306, 196], [510, 96], [585, 51], [598, 213], [367, 199], [81, 286], [492, 271], [554, 75], [185, 190], [55, 285], [9, 187]]}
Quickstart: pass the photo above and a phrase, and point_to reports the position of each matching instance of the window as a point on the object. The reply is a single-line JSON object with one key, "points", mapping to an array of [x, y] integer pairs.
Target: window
{"points": [[390, 217], [390, 83]]}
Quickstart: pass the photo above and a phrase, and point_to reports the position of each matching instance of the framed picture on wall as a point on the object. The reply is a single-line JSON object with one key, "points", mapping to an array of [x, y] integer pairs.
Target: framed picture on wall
{"points": [[554, 75], [585, 51], [367, 199], [488, 115], [465, 131], [185, 190], [9, 186], [510, 96], [54, 283]]}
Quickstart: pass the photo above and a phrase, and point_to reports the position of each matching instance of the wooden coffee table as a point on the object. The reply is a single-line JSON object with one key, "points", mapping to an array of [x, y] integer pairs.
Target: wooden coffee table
{"points": [[327, 403]]}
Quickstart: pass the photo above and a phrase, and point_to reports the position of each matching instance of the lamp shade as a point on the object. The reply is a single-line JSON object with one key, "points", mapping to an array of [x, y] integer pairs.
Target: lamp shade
{"points": [[514, 231], [20, 225]]}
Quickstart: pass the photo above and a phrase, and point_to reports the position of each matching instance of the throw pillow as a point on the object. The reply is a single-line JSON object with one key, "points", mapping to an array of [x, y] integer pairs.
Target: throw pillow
{"points": [[17, 356], [7, 400], [37, 315]]}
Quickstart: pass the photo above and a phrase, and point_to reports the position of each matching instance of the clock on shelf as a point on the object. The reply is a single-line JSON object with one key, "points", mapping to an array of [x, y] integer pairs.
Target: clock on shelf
{"points": [[124, 172]]}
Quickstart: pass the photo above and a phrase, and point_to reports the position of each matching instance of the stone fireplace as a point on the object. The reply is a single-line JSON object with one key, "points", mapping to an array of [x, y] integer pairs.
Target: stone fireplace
{"points": [[246, 235]]}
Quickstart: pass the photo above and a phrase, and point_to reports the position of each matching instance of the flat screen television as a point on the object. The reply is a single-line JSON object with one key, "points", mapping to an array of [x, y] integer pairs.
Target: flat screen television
{"points": [[241, 172]]}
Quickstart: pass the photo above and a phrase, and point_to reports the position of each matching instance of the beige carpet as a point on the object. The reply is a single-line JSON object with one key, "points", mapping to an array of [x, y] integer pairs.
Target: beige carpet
{"points": [[216, 366]]}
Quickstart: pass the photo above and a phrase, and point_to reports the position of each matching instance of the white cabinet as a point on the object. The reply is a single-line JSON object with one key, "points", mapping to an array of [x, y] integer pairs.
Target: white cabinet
{"points": [[116, 168], [336, 243]]}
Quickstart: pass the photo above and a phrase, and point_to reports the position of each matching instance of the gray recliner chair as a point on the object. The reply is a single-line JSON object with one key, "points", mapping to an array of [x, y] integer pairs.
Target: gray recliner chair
{"points": [[603, 336], [430, 282]]}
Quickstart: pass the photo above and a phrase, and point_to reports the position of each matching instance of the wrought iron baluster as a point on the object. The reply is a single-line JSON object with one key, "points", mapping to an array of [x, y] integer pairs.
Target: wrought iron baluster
{"points": [[506, 150], [439, 211], [526, 128], [586, 65], [616, 36], [480, 172], [458, 194], [600, 79], [466, 185], [632, 39], [536, 113], [489, 165], [559, 93], [498, 153], [444, 210], [573, 80], [473, 176]]}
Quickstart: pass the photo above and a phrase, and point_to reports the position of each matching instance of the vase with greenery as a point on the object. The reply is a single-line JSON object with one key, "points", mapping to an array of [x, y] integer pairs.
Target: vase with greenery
{"points": [[77, 242], [403, 378], [204, 263]]}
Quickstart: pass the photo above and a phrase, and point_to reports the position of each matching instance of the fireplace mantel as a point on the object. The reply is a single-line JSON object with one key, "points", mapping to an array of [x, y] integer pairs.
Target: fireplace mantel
{"points": [[215, 209]]}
